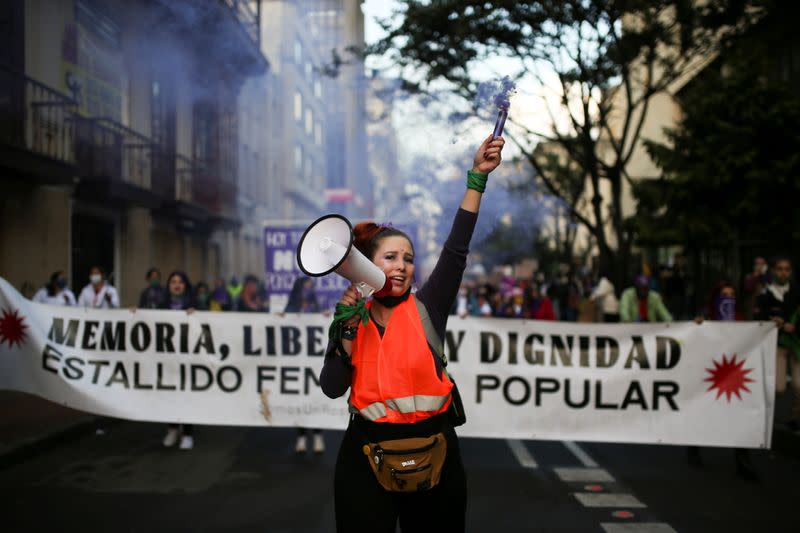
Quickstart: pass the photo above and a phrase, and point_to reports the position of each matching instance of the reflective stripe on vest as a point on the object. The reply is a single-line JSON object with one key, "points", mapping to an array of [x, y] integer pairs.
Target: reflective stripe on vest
{"points": [[409, 404], [394, 377]]}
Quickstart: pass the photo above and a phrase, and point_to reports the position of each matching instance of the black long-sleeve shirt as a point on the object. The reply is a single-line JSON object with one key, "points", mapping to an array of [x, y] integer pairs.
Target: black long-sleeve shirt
{"points": [[437, 294]]}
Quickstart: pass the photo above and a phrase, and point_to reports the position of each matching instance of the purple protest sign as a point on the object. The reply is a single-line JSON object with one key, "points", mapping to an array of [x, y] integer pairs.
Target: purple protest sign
{"points": [[281, 270]]}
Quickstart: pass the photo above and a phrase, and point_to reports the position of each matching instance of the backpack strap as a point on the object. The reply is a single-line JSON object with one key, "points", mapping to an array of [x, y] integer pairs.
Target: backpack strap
{"points": [[430, 333], [456, 409]]}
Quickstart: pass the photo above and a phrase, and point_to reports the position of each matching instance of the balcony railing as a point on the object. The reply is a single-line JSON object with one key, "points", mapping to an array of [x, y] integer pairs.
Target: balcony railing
{"points": [[35, 117], [105, 148], [185, 171], [41, 121], [247, 16]]}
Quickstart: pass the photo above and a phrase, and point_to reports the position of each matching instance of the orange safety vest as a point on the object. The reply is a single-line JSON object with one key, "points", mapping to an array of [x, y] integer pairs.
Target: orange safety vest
{"points": [[394, 377]]}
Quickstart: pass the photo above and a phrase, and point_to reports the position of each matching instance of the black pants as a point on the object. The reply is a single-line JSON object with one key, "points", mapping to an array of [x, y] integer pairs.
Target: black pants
{"points": [[186, 429], [362, 505]]}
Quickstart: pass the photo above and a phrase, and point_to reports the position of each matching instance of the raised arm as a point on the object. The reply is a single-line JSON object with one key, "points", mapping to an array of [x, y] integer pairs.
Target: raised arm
{"points": [[442, 286]]}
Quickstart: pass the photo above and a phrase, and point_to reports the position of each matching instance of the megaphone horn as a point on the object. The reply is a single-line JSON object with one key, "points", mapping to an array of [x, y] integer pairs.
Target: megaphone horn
{"points": [[327, 246]]}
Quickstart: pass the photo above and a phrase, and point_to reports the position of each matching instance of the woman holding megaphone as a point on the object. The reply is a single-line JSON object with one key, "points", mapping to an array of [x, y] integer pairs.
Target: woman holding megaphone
{"points": [[400, 459]]}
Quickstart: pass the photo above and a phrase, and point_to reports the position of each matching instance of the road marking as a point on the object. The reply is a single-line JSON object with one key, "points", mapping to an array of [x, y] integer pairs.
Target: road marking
{"points": [[522, 454], [582, 456], [640, 527], [592, 499], [583, 474]]}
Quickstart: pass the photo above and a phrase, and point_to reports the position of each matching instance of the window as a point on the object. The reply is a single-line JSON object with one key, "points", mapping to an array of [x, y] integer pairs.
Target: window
{"points": [[318, 134], [298, 159], [309, 70], [298, 52], [318, 89], [309, 121], [309, 168], [298, 106]]}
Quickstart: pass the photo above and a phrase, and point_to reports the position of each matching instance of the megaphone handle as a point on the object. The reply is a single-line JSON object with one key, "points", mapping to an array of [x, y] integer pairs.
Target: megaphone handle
{"points": [[364, 290]]}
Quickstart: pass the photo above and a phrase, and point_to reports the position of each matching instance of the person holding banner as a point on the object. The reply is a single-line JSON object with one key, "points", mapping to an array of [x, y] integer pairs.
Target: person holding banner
{"points": [[303, 299], [152, 295], [403, 402], [780, 302], [723, 305], [98, 294], [55, 292], [179, 297]]}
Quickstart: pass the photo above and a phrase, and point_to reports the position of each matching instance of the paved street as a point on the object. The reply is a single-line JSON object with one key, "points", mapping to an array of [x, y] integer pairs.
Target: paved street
{"points": [[248, 479]]}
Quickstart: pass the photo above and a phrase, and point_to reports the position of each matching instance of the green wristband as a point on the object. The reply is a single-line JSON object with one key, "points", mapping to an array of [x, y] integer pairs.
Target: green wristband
{"points": [[476, 180]]}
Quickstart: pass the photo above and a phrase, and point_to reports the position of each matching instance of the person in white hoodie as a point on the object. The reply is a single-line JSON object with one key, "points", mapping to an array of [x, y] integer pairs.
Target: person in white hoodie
{"points": [[55, 292], [98, 294], [604, 296]]}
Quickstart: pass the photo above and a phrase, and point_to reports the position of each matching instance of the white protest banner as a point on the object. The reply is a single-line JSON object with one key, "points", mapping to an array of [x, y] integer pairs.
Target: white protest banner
{"points": [[678, 383]]}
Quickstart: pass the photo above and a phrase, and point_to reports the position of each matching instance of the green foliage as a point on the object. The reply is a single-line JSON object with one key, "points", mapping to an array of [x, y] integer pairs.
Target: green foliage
{"points": [[732, 166], [598, 50]]}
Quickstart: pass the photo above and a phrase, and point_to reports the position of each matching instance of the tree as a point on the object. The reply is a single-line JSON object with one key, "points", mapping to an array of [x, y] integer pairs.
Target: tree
{"points": [[732, 165], [610, 58]]}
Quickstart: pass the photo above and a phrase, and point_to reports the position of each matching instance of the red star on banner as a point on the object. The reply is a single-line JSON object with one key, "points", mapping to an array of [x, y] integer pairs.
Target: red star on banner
{"points": [[728, 377], [12, 328]]}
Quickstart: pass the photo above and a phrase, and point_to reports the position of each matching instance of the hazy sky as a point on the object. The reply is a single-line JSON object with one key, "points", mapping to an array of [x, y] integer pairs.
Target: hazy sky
{"points": [[418, 132]]}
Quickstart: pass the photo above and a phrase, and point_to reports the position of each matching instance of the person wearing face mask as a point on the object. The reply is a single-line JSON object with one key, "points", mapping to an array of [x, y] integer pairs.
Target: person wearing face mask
{"points": [[152, 296], [723, 306], [202, 296], [55, 292], [402, 400], [179, 297], [98, 294], [780, 302]]}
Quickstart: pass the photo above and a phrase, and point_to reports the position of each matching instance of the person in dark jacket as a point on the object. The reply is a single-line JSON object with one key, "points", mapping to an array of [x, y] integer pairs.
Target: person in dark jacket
{"points": [[179, 297], [153, 295], [780, 302], [251, 299], [202, 296], [723, 305], [220, 300]]}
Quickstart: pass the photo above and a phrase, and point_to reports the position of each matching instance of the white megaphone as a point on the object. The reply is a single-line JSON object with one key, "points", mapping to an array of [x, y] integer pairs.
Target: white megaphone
{"points": [[327, 246]]}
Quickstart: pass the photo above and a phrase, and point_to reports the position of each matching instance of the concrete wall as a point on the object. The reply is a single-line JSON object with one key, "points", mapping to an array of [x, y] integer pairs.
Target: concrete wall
{"points": [[34, 232], [136, 252]]}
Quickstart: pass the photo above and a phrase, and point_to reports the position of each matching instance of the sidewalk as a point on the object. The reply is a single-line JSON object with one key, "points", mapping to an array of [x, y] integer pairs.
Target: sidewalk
{"points": [[29, 424]]}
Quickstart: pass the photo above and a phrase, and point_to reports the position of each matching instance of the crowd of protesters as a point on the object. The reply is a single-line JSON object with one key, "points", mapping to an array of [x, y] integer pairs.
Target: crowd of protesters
{"points": [[570, 294]]}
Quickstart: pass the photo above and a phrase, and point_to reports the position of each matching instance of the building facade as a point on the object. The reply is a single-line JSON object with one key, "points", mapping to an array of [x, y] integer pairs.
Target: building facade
{"points": [[121, 136]]}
